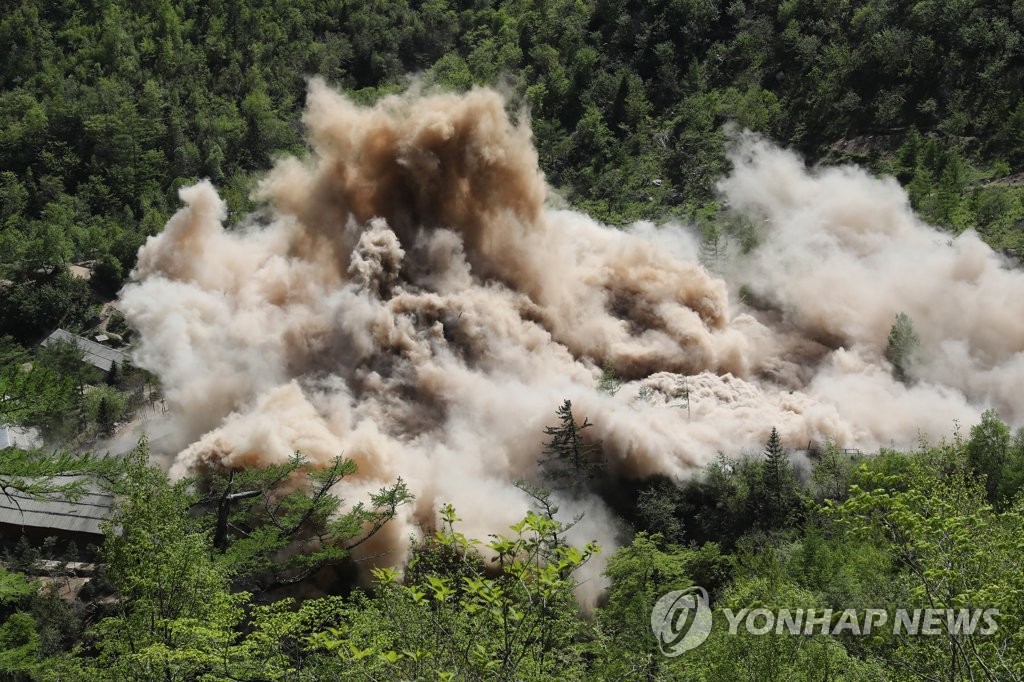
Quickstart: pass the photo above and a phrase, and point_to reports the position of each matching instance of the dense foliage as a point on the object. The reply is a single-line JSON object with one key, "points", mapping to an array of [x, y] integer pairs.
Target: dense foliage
{"points": [[175, 600], [107, 107], [64, 400]]}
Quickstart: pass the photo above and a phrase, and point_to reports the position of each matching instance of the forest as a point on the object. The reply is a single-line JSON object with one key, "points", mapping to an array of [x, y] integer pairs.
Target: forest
{"points": [[232, 572]]}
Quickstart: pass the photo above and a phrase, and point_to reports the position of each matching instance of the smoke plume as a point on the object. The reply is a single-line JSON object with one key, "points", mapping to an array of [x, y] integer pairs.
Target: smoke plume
{"points": [[415, 304]]}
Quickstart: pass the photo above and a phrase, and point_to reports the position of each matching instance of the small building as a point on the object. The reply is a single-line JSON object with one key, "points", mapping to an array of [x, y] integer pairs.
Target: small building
{"points": [[96, 354], [37, 518]]}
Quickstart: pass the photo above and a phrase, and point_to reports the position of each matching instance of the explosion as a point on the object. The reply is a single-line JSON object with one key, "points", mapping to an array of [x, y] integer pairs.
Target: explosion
{"points": [[415, 304]]}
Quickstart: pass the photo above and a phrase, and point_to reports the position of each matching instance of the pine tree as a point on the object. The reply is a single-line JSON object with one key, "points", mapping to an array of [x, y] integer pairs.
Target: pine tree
{"points": [[105, 416], [568, 461], [778, 478], [113, 377]]}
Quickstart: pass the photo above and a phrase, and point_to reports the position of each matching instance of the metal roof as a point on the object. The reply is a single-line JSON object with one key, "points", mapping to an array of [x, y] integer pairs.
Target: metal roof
{"points": [[18, 437], [96, 354], [83, 515]]}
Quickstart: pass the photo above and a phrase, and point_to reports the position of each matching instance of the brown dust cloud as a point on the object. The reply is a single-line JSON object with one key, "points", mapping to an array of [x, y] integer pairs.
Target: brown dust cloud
{"points": [[416, 303]]}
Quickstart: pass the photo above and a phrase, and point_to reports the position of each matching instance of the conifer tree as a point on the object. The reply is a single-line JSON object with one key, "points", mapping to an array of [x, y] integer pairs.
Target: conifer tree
{"points": [[568, 461], [105, 416], [778, 480], [114, 375]]}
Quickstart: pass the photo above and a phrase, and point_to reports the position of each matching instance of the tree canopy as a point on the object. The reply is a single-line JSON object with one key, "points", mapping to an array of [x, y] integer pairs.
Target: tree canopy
{"points": [[108, 107]]}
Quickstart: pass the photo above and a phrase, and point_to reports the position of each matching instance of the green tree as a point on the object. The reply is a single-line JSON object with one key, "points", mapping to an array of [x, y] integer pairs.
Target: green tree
{"points": [[773, 656], [29, 310], [902, 347], [988, 450], [514, 620], [657, 509], [173, 604], [57, 474], [105, 416], [713, 244], [568, 460], [640, 573], [114, 375], [907, 157], [779, 484], [31, 394], [833, 472], [1012, 480], [108, 275], [609, 382], [104, 405], [19, 643], [954, 552], [13, 587], [279, 525]]}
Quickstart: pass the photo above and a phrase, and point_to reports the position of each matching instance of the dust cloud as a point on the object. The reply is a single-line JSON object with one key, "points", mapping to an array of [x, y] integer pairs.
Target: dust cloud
{"points": [[414, 303]]}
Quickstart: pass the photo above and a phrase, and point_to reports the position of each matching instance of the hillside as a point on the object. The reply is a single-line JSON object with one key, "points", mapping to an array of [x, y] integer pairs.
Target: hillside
{"points": [[107, 108], [670, 340]]}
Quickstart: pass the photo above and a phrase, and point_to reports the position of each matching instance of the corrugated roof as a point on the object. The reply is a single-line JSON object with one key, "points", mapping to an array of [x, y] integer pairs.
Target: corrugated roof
{"points": [[96, 354], [83, 515]]}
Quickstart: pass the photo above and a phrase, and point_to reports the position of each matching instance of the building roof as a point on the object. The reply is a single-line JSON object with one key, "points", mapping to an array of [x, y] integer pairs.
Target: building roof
{"points": [[18, 437], [81, 272], [96, 354], [83, 515]]}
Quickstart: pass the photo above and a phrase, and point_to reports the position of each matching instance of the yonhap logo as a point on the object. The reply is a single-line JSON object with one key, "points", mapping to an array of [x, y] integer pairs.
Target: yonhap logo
{"points": [[681, 620]]}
